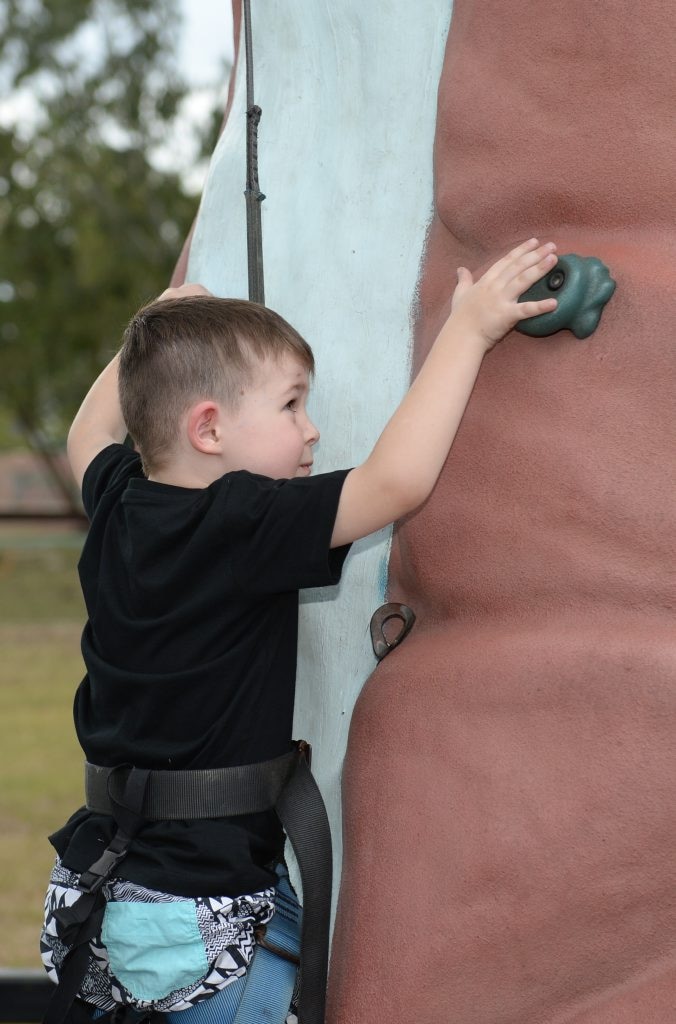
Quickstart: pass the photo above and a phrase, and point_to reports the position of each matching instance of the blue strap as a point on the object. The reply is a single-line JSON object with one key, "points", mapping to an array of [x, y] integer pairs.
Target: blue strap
{"points": [[271, 979], [263, 995], [218, 1009]]}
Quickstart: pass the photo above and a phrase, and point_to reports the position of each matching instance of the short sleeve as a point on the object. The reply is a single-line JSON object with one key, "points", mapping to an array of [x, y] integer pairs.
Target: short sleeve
{"points": [[280, 531], [108, 471]]}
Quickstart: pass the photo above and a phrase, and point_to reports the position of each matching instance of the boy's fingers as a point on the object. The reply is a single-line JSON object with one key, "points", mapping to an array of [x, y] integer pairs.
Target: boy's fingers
{"points": [[528, 309], [183, 291], [524, 276], [524, 251], [465, 282]]}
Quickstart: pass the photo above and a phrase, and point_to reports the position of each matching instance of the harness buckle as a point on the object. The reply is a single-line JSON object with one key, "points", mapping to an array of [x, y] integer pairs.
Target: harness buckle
{"points": [[100, 871]]}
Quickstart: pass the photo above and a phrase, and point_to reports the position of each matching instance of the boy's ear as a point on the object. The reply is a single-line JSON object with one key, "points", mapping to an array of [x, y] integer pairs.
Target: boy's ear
{"points": [[205, 427]]}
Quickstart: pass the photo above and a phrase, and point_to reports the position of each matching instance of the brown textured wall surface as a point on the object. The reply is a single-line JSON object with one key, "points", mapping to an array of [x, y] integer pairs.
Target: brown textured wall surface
{"points": [[509, 788]]}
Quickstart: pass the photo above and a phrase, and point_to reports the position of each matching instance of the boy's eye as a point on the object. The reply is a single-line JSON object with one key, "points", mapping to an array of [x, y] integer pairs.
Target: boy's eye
{"points": [[293, 404]]}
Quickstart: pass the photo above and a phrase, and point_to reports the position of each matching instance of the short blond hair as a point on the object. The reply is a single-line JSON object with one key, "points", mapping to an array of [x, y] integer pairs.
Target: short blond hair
{"points": [[179, 351]]}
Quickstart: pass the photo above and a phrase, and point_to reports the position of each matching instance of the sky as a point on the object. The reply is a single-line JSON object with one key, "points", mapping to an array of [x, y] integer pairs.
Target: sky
{"points": [[205, 57], [206, 38]]}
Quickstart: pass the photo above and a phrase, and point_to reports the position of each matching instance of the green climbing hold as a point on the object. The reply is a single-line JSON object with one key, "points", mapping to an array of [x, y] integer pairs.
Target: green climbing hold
{"points": [[582, 285]]}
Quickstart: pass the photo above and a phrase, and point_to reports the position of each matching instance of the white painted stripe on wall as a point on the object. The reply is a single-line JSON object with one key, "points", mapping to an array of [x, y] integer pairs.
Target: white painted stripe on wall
{"points": [[348, 93]]}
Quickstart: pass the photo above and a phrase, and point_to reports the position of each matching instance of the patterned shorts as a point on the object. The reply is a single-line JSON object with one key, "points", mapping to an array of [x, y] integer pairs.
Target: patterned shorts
{"points": [[156, 951]]}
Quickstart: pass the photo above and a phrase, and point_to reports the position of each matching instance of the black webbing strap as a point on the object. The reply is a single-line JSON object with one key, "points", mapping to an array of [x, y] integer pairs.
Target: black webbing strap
{"points": [[83, 1013], [200, 793], [82, 921], [302, 812], [285, 784], [60, 1008]]}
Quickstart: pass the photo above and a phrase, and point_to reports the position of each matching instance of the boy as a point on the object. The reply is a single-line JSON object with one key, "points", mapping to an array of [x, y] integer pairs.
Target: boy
{"points": [[197, 549]]}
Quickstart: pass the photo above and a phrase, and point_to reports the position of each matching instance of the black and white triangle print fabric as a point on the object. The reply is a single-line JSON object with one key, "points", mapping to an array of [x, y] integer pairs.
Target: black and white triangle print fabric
{"points": [[226, 927]]}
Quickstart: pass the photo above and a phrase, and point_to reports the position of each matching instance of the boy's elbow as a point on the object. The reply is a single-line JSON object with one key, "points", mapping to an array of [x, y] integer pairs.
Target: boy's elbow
{"points": [[83, 443], [404, 494], [413, 498], [78, 437], [372, 498], [72, 442], [75, 445]]}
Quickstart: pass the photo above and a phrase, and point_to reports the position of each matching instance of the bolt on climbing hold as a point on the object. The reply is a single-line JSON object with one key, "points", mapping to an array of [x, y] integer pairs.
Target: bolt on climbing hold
{"points": [[581, 285]]}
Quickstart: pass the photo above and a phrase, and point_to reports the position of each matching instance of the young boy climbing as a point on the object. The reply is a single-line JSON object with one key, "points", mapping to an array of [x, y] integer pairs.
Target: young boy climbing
{"points": [[199, 543]]}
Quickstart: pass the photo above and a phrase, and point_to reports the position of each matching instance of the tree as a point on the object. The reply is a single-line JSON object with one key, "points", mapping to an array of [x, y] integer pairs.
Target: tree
{"points": [[89, 226]]}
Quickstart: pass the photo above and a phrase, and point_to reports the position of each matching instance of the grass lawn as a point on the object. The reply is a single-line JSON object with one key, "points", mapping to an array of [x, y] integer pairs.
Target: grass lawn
{"points": [[41, 616]]}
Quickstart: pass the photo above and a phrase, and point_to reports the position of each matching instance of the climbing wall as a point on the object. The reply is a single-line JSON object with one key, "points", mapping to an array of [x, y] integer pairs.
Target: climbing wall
{"points": [[510, 773], [508, 784]]}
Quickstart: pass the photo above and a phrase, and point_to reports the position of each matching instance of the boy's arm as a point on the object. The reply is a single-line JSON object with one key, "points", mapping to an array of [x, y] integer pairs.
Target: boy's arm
{"points": [[97, 423], [99, 420], [407, 459]]}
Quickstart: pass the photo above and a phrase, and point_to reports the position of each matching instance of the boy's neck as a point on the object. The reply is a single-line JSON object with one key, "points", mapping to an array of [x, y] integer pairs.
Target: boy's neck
{"points": [[180, 474], [177, 480]]}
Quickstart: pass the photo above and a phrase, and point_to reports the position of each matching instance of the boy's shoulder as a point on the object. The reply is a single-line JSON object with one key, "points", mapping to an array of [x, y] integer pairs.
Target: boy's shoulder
{"points": [[111, 468]]}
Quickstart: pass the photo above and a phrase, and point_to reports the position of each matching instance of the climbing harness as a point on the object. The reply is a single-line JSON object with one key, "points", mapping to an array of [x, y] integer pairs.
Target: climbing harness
{"points": [[254, 196], [133, 796], [264, 993], [82, 921]]}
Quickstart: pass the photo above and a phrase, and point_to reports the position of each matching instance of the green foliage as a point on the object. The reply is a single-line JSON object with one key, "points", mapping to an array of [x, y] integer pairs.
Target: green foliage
{"points": [[89, 227], [41, 617], [41, 767], [38, 577]]}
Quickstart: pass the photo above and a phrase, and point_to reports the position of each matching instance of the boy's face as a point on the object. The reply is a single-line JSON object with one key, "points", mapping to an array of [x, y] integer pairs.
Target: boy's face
{"points": [[270, 432]]}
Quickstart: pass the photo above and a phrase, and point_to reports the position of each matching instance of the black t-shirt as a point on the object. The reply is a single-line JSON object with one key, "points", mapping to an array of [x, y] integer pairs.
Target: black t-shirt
{"points": [[190, 651]]}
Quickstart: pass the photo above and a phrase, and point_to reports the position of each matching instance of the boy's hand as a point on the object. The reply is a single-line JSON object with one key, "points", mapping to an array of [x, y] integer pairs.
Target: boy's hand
{"points": [[403, 467], [182, 291], [490, 307]]}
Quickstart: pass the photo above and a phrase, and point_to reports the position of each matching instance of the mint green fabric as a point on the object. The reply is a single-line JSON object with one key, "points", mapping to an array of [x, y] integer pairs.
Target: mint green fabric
{"points": [[154, 948]]}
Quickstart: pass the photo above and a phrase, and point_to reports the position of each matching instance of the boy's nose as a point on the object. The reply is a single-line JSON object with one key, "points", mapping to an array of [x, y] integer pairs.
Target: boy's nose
{"points": [[311, 433]]}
